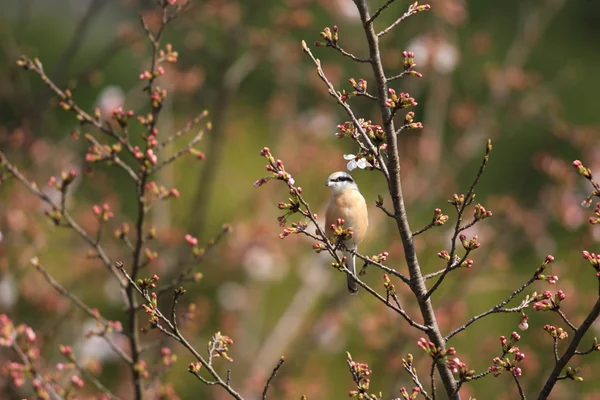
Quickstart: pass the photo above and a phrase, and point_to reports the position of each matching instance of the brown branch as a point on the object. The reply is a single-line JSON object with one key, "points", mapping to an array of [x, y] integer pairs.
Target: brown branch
{"points": [[568, 354], [379, 11], [183, 130], [460, 212], [395, 187], [521, 392], [498, 308], [564, 318], [365, 143], [279, 364], [85, 308], [33, 371], [65, 216], [173, 332]]}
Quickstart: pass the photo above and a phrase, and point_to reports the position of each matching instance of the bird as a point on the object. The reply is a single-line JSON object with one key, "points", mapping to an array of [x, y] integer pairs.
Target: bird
{"points": [[347, 203]]}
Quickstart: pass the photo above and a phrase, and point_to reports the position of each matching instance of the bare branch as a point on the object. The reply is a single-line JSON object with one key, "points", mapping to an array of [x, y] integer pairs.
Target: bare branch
{"points": [[568, 354], [279, 364]]}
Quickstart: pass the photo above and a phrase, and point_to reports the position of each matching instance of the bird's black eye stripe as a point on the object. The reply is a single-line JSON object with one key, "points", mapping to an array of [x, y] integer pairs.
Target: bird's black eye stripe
{"points": [[343, 179]]}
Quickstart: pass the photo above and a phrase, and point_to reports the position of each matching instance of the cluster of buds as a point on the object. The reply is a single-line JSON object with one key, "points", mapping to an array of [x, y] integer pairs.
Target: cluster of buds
{"points": [[292, 207], [390, 289], [409, 121], [583, 171], [412, 396], [102, 213], [194, 367], [120, 116], [148, 283], [296, 227], [148, 76], [433, 351], [67, 102], [379, 258], [360, 86], [360, 374], [319, 247], [147, 120], [7, 331], [552, 279], [104, 326], [66, 178], [573, 374], [349, 129], [596, 219], [193, 243], [219, 346], [408, 61], [402, 100], [330, 35], [465, 263], [460, 368], [457, 200], [594, 261], [277, 168], [508, 345], [97, 152], [140, 368], [469, 245], [168, 54], [415, 8], [339, 232], [501, 365], [546, 302], [67, 352], [168, 358], [439, 218], [77, 382], [480, 212], [161, 192], [558, 333], [152, 311], [122, 232], [158, 97]]}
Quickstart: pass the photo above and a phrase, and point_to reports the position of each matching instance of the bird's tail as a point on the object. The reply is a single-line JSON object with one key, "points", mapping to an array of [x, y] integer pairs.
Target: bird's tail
{"points": [[351, 265]]}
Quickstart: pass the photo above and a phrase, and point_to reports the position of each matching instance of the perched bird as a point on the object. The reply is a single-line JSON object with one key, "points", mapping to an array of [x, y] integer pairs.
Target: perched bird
{"points": [[347, 203]]}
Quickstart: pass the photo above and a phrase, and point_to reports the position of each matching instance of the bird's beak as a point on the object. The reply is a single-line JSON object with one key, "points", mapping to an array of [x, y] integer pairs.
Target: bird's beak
{"points": [[327, 183]]}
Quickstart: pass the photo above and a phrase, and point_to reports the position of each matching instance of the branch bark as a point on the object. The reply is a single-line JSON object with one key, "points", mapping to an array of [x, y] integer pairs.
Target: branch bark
{"points": [[570, 352], [395, 186]]}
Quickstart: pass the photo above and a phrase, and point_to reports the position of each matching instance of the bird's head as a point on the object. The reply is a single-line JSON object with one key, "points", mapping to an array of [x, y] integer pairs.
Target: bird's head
{"points": [[339, 181]]}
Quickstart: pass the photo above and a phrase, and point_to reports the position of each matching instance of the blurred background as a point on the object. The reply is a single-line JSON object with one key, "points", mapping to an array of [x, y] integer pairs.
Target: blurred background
{"points": [[522, 72]]}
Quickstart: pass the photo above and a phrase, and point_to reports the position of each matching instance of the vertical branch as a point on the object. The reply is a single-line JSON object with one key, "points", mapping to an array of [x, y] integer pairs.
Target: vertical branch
{"points": [[395, 187], [568, 354]]}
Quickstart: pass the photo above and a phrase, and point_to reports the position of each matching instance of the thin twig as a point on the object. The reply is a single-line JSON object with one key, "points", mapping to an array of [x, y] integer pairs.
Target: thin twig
{"points": [[564, 318], [182, 131], [518, 383], [66, 216], [174, 332], [85, 308], [379, 11], [33, 371], [460, 211], [279, 364], [498, 308]]}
